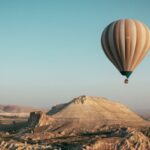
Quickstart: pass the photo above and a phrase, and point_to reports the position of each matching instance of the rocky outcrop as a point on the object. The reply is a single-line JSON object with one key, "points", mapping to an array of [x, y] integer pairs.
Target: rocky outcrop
{"points": [[83, 114], [39, 119], [90, 113], [135, 140]]}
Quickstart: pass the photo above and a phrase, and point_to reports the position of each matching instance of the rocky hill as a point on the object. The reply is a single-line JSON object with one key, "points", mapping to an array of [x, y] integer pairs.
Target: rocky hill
{"points": [[94, 111], [84, 123], [85, 113]]}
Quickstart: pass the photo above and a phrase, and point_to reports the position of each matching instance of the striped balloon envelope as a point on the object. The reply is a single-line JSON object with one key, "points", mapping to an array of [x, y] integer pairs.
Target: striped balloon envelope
{"points": [[126, 42]]}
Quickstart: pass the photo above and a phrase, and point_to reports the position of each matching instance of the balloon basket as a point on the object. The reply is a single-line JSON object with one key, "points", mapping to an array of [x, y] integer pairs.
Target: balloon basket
{"points": [[126, 81]]}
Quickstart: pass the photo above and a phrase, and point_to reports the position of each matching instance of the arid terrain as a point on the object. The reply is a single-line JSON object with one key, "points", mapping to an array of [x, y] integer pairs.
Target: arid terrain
{"points": [[84, 123]]}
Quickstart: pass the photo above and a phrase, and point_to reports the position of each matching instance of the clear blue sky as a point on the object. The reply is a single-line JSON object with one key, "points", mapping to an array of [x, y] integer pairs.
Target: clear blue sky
{"points": [[50, 52]]}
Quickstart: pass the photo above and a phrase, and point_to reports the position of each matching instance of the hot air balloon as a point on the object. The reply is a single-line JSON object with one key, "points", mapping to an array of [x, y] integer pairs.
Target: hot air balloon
{"points": [[126, 42]]}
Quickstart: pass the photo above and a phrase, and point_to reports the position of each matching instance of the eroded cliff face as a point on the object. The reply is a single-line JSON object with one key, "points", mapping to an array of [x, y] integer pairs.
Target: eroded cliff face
{"points": [[38, 119]]}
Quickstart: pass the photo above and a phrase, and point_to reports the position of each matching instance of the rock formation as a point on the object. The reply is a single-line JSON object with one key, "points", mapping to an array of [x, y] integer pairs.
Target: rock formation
{"points": [[86, 112], [38, 119], [85, 123]]}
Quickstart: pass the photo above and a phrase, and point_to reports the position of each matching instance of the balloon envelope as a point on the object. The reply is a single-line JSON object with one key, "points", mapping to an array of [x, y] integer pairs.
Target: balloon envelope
{"points": [[126, 42]]}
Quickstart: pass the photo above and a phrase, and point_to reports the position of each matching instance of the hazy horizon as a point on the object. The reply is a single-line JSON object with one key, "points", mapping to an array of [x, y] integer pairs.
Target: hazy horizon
{"points": [[50, 52]]}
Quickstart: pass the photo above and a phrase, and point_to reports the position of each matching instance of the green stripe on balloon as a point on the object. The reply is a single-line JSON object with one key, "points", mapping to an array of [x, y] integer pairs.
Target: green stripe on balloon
{"points": [[126, 73]]}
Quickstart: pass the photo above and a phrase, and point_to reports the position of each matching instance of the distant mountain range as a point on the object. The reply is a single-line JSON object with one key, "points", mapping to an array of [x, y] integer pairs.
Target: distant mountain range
{"points": [[16, 110]]}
